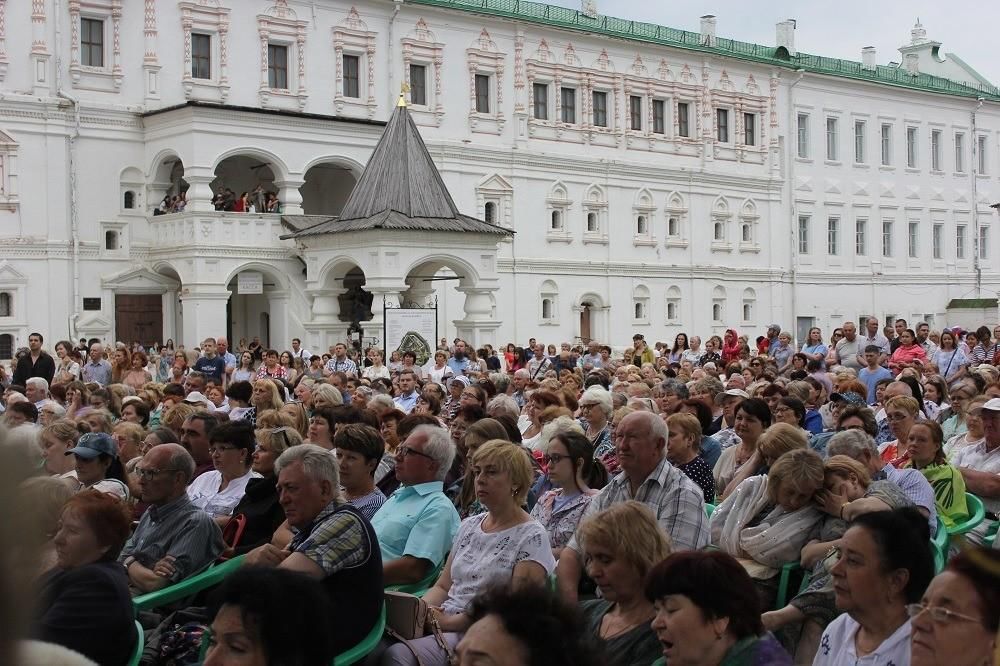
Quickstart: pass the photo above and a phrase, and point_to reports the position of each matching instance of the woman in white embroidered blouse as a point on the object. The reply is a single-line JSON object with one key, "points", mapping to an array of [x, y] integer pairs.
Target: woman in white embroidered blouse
{"points": [[217, 492], [501, 545]]}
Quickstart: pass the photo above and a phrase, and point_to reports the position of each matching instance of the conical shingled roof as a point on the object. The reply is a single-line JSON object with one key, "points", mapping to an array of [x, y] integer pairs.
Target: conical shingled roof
{"points": [[400, 188]]}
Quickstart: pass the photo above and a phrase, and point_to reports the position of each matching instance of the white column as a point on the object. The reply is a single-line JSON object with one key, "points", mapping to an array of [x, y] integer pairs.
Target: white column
{"points": [[289, 195], [199, 194], [169, 307], [277, 305], [204, 313], [325, 327], [478, 327]]}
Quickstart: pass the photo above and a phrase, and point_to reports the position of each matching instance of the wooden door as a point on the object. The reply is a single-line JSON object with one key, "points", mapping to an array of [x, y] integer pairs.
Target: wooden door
{"points": [[139, 317], [585, 335]]}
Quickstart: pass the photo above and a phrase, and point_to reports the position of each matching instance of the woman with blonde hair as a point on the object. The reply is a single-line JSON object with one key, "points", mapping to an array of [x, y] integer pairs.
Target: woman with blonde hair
{"points": [[621, 544], [504, 545], [326, 395], [464, 491], [266, 395], [56, 439], [175, 416], [779, 439], [299, 416], [901, 412]]}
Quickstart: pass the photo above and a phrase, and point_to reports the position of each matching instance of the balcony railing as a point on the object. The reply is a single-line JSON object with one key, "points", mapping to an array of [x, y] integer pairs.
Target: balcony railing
{"points": [[217, 229]]}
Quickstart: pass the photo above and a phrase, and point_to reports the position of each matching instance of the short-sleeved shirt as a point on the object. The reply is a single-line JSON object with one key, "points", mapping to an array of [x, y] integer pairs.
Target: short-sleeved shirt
{"points": [[177, 528], [458, 366], [698, 471], [677, 502], [561, 514], [871, 379], [99, 373], [836, 647], [212, 368], [346, 366], [847, 352], [481, 558], [419, 521]]}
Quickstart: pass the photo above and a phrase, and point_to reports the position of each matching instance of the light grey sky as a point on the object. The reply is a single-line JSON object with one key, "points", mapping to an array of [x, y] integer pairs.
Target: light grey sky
{"points": [[839, 28]]}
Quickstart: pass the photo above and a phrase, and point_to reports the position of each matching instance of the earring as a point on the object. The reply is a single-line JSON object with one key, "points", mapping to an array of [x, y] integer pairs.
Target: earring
{"points": [[513, 491]]}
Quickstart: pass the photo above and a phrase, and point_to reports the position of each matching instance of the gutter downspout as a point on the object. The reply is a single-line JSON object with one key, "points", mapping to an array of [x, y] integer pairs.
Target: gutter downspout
{"points": [[393, 94], [792, 147], [974, 171], [74, 212]]}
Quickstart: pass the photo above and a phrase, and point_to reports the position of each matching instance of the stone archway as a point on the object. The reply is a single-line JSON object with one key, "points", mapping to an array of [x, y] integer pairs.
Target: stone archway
{"points": [[466, 303], [326, 188]]}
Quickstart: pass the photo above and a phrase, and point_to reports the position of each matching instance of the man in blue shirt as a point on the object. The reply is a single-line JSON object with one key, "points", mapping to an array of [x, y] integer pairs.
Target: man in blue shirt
{"points": [[210, 364], [416, 525], [873, 373], [459, 363], [407, 398]]}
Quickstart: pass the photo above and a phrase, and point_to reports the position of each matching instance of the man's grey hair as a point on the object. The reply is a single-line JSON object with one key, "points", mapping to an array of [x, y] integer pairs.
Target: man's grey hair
{"points": [[502, 405], [438, 445], [318, 464], [381, 400], [523, 373], [851, 443], [657, 426], [182, 461], [38, 382], [500, 380]]}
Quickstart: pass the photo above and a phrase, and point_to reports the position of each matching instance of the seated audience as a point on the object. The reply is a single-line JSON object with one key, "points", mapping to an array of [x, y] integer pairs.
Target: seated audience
{"points": [[925, 450], [270, 616], [417, 524], [97, 464], [980, 468], [84, 601], [56, 439], [883, 564], [750, 419], [621, 544], [463, 491], [217, 492], [684, 452], [174, 538], [333, 543], [527, 626], [707, 612], [648, 477], [957, 620], [503, 545], [359, 448]]}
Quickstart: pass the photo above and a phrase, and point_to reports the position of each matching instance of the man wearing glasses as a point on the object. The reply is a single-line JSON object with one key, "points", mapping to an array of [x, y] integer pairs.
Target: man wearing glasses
{"points": [[174, 539]]}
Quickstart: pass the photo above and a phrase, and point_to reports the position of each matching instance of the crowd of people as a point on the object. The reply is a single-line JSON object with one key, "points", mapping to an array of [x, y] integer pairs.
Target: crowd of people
{"points": [[570, 505], [225, 199]]}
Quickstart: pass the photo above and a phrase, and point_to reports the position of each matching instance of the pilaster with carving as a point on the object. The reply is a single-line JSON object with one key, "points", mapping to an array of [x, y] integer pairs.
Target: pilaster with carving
{"points": [[39, 49], [483, 57], [421, 47], [150, 59], [3, 40]]}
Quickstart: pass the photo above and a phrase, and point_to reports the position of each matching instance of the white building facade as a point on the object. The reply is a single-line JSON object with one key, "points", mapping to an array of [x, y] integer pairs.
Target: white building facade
{"points": [[657, 181]]}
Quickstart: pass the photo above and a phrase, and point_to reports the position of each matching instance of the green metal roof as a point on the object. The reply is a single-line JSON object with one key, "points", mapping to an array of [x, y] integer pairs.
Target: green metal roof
{"points": [[609, 26]]}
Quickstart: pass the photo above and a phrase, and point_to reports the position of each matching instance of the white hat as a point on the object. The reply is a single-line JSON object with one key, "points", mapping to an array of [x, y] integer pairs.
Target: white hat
{"points": [[197, 398], [992, 405]]}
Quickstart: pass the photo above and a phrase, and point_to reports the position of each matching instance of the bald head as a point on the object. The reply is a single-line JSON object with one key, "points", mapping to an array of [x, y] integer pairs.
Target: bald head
{"points": [[897, 388], [169, 469]]}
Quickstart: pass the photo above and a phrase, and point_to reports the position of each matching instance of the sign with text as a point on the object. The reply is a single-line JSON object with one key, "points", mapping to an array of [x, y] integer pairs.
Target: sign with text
{"points": [[411, 329], [250, 282]]}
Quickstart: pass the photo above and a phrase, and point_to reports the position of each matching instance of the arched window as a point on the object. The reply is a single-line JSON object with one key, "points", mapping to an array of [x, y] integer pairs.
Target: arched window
{"points": [[673, 226], [718, 305], [640, 225], [129, 202], [716, 312], [592, 222], [747, 311], [746, 233], [6, 346], [546, 308], [490, 212], [673, 304], [640, 304], [556, 220], [719, 231], [6, 305], [110, 240], [749, 305], [640, 310]]}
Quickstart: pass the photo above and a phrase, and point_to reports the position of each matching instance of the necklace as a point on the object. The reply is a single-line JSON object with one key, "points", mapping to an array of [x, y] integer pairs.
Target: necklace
{"points": [[613, 626]]}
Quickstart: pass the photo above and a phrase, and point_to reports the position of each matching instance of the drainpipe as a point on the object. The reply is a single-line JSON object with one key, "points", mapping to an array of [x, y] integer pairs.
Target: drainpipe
{"points": [[393, 94], [792, 145], [74, 212], [974, 171]]}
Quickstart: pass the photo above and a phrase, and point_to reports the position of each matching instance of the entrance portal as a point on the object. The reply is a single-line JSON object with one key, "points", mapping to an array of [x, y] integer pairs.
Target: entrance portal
{"points": [[139, 317]]}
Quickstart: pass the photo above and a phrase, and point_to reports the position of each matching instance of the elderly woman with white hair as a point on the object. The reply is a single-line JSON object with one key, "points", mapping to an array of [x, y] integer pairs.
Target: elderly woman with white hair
{"points": [[326, 395], [595, 419]]}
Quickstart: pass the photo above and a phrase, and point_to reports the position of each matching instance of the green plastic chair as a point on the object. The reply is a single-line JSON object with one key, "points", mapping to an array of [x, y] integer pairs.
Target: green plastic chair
{"points": [[188, 587], [787, 571], [939, 546], [420, 588], [991, 535], [709, 509], [365, 647], [140, 644], [977, 513]]}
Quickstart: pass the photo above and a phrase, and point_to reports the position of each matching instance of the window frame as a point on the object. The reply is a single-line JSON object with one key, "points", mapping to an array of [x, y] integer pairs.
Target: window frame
{"points": [[722, 125], [273, 69], [683, 110], [418, 84], [199, 60], [860, 141], [937, 240], [936, 135], [567, 93], [982, 159], [89, 48], [659, 116], [540, 102], [961, 233], [833, 235], [913, 239], [602, 108], [887, 239], [885, 137], [832, 138], [912, 147], [635, 106], [959, 141], [802, 135], [802, 232], [482, 84], [984, 243], [749, 129], [861, 236]]}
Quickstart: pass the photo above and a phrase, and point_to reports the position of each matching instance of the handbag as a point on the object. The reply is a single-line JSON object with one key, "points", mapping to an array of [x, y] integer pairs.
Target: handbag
{"points": [[408, 617]]}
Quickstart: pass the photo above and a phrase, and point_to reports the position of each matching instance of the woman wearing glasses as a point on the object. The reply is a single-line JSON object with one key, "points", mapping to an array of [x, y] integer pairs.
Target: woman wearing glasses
{"points": [[832, 358], [569, 458], [217, 492], [957, 619], [883, 564]]}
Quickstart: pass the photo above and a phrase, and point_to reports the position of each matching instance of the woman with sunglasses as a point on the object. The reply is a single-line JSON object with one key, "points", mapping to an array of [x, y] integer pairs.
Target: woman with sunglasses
{"points": [[218, 491], [832, 358], [569, 459]]}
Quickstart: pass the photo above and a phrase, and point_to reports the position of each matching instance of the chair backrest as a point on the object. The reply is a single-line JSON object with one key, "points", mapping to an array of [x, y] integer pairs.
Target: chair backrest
{"points": [[140, 644]]}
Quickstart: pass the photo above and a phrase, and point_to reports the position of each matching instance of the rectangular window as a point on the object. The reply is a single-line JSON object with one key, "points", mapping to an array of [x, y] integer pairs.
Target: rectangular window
{"points": [[913, 233], [935, 150], [803, 234], [659, 116], [911, 147], [982, 157], [936, 235], [750, 129], [886, 145], [984, 246], [886, 238], [635, 113], [201, 56], [482, 93], [673, 226], [92, 42], [600, 104], [568, 96], [860, 128], [352, 76], [803, 135], [831, 139], [683, 122], [540, 101], [833, 236], [861, 237], [277, 66], [960, 233], [418, 85], [959, 152], [722, 125]]}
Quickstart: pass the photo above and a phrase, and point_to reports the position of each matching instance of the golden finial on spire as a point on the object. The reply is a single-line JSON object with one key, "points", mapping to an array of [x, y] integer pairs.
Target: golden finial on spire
{"points": [[403, 89]]}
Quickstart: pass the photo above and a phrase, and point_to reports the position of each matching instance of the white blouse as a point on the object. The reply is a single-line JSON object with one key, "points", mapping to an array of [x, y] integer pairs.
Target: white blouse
{"points": [[204, 492]]}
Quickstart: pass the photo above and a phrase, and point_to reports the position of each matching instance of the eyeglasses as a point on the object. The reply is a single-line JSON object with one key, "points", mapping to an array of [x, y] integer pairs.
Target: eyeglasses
{"points": [[896, 417], [144, 473], [404, 451], [212, 450], [554, 458], [938, 614]]}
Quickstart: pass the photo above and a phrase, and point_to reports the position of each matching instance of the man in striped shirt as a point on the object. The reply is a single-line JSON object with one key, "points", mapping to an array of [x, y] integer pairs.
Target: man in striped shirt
{"points": [[340, 362]]}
